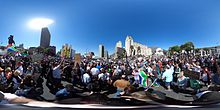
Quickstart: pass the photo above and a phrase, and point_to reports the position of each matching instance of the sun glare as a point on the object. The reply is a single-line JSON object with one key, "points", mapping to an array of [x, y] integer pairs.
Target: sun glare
{"points": [[39, 23]]}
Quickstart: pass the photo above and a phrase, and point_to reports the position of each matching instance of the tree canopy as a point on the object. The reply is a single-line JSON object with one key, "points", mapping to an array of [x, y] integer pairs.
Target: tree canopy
{"points": [[188, 46]]}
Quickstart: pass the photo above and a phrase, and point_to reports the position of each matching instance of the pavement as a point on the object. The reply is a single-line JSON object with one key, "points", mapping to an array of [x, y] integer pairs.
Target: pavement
{"points": [[140, 95]]}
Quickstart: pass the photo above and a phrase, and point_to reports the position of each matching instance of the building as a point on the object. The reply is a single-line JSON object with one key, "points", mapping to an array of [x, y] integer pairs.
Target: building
{"points": [[118, 44], [159, 52], [120, 53], [67, 51], [106, 54], [101, 51], [215, 50], [72, 53], [133, 48], [45, 38], [20, 47]]}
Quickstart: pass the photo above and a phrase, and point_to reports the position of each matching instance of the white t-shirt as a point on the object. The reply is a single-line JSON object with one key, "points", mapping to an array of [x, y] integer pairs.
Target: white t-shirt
{"points": [[205, 77], [101, 76], [86, 78], [95, 71], [136, 75], [20, 68]]}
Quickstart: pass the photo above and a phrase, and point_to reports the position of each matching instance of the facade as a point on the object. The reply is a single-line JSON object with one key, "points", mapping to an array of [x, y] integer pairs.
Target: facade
{"points": [[159, 52], [120, 53], [67, 51], [209, 51], [118, 49], [118, 44], [45, 38], [101, 51], [133, 48], [106, 54], [72, 53]]}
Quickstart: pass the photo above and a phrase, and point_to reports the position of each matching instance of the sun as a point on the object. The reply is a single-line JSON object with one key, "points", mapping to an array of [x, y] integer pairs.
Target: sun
{"points": [[38, 23]]}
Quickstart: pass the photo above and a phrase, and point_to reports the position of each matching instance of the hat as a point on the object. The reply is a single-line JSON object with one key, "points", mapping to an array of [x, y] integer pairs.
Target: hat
{"points": [[17, 72], [168, 66], [8, 69], [123, 76], [1, 69]]}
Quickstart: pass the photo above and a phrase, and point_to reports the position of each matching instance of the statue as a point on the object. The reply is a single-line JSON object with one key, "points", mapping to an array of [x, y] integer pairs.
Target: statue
{"points": [[11, 40]]}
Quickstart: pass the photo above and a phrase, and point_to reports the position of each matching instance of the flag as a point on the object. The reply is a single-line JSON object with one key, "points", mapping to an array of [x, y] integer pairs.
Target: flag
{"points": [[143, 78], [11, 48]]}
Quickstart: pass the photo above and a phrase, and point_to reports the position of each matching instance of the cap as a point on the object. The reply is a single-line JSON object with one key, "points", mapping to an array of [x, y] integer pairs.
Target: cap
{"points": [[168, 66], [8, 69]]}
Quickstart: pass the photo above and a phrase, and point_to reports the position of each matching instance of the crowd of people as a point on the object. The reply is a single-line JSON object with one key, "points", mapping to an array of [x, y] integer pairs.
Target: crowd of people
{"points": [[23, 77]]}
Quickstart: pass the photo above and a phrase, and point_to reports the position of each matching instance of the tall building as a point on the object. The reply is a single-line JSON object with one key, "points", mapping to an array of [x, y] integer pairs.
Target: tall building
{"points": [[128, 45], [118, 50], [72, 53], [45, 37], [101, 51], [106, 54], [133, 48], [118, 44]]}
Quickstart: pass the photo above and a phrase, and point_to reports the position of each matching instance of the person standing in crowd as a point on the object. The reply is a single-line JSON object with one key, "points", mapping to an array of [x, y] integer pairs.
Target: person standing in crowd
{"points": [[29, 70], [181, 81], [3, 80], [2, 62], [57, 73], [216, 77], [176, 73], [16, 80], [94, 71], [168, 77], [136, 77], [206, 76], [20, 68], [86, 79], [121, 85]]}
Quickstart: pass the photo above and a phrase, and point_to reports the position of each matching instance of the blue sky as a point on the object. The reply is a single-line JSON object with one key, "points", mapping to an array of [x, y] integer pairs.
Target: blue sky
{"points": [[87, 23]]}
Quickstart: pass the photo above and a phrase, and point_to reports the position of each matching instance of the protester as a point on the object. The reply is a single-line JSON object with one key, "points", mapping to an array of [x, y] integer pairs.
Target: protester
{"points": [[121, 85], [168, 77], [27, 77], [182, 81]]}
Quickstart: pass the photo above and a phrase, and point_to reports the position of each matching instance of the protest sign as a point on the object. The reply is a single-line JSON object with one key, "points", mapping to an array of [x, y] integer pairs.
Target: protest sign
{"points": [[77, 58]]}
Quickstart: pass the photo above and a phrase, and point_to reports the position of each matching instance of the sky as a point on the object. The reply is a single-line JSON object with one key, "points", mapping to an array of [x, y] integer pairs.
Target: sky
{"points": [[87, 23]]}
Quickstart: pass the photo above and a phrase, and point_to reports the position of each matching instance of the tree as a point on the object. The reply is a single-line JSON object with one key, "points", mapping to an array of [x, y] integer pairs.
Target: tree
{"points": [[40, 49], [48, 51], [175, 48], [197, 50], [188, 46]]}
